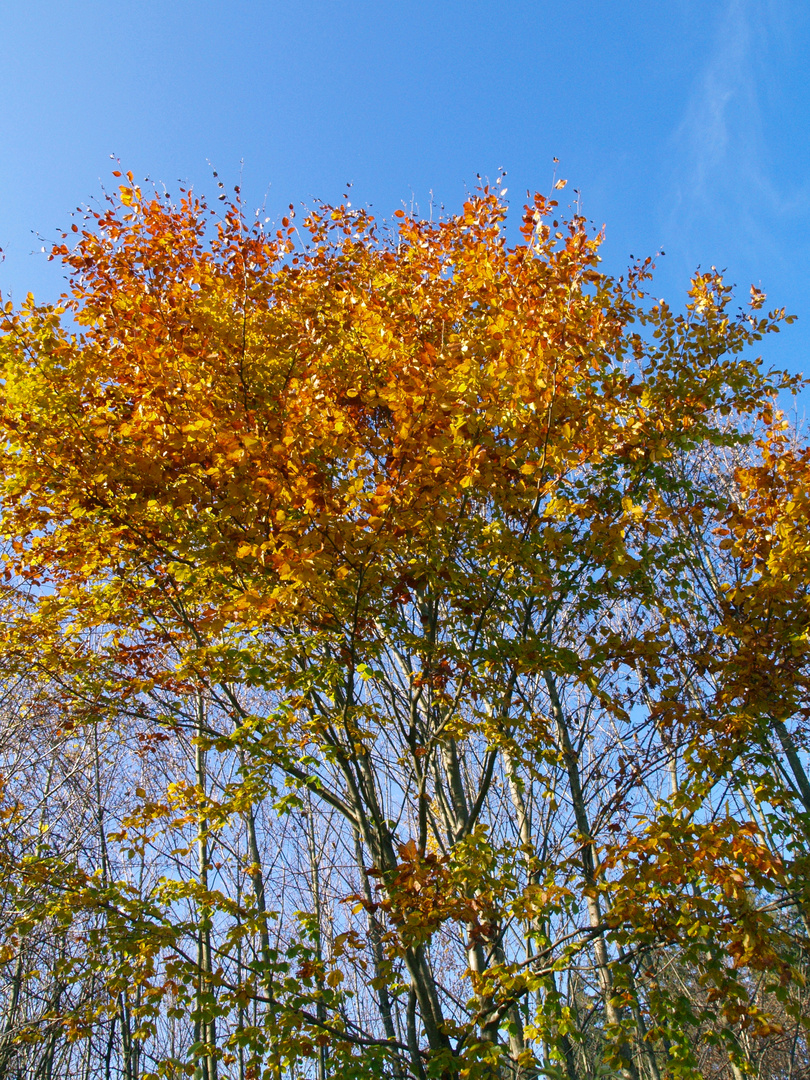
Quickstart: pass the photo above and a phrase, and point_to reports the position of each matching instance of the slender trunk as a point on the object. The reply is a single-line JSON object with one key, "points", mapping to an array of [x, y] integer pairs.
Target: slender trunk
{"points": [[375, 940], [613, 1013], [88, 1046], [424, 987], [45, 1068], [517, 1039], [256, 875], [257, 884], [476, 961], [796, 767], [126, 1040], [647, 1052], [109, 1051], [6, 1039], [102, 837], [315, 884], [365, 805], [455, 784], [240, 1016], [413, 1038], [207, 1028], [457, 814], [562, 1041], [803, 785]]}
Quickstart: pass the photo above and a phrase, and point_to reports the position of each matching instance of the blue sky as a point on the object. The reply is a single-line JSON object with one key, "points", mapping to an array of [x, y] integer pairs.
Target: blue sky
{"points": [[684, 125]]}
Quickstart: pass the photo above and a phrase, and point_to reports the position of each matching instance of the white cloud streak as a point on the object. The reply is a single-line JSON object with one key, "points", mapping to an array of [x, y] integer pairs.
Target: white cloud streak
{"points": [[727, 85], [719, 141], [722, 180]]}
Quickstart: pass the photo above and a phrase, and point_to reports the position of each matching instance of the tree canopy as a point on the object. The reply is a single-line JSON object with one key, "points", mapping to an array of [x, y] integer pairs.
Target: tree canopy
{"points": [[404, 658]]}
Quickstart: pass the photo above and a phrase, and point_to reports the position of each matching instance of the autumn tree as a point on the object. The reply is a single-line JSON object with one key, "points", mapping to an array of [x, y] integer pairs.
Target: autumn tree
{"points": [[379, 579]]}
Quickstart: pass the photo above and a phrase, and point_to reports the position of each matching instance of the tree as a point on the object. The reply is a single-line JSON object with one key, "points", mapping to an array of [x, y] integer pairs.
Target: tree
{"points": [[366, 564]]}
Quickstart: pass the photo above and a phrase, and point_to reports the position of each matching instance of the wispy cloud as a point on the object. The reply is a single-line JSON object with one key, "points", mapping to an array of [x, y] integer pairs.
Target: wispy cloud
{"points": [[719, 142], [725, 90], [723, 181]]}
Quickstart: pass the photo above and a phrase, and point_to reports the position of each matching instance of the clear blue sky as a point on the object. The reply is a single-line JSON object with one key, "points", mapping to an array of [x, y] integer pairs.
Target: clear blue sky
{"points": [[685, 125]]}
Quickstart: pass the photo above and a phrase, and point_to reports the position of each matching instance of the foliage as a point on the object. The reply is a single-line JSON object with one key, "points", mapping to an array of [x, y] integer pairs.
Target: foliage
{"points": [[404, 658]]}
